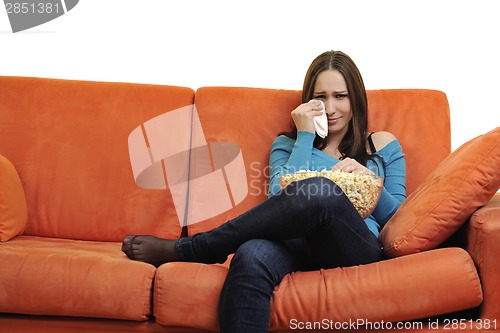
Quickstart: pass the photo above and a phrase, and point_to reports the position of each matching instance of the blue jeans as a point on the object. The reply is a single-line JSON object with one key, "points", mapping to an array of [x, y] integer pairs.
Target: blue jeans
{"points": [[309, 225]]}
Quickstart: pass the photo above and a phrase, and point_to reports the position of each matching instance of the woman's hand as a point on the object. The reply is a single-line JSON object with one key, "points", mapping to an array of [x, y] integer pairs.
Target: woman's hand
{"points": [[351, 165], [303, 115]]}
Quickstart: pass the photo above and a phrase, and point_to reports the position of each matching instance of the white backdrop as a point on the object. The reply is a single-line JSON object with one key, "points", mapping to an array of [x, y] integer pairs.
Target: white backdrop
{"points": [[449, 45]]}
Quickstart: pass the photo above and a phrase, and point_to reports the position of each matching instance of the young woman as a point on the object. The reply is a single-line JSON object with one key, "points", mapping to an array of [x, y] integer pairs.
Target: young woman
{"points": [[309, 225]]}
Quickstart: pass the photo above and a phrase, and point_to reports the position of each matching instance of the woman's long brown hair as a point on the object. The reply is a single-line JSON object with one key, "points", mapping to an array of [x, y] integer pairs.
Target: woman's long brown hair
{"points": [[353, 144]]}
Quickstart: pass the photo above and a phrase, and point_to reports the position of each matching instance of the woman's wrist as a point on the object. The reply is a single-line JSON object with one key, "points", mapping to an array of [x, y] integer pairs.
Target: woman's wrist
{"points": [[306, 137]]}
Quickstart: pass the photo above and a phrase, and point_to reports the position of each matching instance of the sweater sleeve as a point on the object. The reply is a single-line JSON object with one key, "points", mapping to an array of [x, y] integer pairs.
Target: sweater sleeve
{"points": [[394, 192], [288, 156]]}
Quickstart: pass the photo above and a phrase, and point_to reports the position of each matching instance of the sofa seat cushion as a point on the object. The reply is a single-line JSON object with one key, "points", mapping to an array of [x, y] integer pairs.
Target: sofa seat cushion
{"points": [[48, 276], [405, 288]]}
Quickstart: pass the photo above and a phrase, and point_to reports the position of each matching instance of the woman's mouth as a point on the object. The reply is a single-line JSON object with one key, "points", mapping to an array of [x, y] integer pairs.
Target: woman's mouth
{"points": [[333, 121]]}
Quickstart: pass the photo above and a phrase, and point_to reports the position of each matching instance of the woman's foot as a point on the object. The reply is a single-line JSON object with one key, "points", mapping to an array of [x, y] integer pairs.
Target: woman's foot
{"points": [[150, 249]]}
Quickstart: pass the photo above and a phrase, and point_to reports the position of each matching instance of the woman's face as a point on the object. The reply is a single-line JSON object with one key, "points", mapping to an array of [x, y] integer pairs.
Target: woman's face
{"points": [[331, 88]]}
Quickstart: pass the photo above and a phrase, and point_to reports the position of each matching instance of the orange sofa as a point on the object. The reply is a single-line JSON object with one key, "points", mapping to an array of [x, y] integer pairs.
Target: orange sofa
{"points": [[79, 191]]}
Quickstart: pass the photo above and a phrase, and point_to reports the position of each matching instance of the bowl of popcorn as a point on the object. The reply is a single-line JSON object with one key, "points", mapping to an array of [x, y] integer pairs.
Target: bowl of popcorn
{"points": [[361, 189]]}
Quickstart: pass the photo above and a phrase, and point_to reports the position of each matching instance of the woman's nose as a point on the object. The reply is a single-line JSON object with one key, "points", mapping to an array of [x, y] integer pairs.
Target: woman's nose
{"points": [[330, 107]]}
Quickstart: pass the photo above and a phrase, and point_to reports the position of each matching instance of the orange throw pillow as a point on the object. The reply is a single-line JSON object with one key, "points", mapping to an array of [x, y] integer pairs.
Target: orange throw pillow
{"points": [[13, 208], [464, 181]]}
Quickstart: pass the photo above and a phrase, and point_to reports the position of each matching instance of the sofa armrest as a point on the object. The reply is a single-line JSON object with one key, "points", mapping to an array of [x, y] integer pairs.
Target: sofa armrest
{"points": [[483, 244]]}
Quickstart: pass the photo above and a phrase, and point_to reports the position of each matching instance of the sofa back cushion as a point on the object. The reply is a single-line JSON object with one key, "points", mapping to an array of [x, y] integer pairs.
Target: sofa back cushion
{"points": [[252, 118], [69, 143], [420, 119]]}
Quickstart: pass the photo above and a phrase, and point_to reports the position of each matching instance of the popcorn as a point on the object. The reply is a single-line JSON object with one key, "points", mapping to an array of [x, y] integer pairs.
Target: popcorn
{"points": [[362, 190]]}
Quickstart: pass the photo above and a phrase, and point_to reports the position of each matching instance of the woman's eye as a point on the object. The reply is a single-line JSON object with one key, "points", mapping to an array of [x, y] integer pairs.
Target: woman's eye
{"points": [[340, 96], [319, 97]]}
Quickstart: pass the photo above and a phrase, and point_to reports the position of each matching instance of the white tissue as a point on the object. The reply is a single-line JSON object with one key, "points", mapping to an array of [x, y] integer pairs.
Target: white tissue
{"points": [[321, 123]]}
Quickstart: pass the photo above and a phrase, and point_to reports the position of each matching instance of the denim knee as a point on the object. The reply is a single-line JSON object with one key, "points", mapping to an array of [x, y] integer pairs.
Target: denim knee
{"points": [[255, 252], [318, 192], [264, 259]]}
